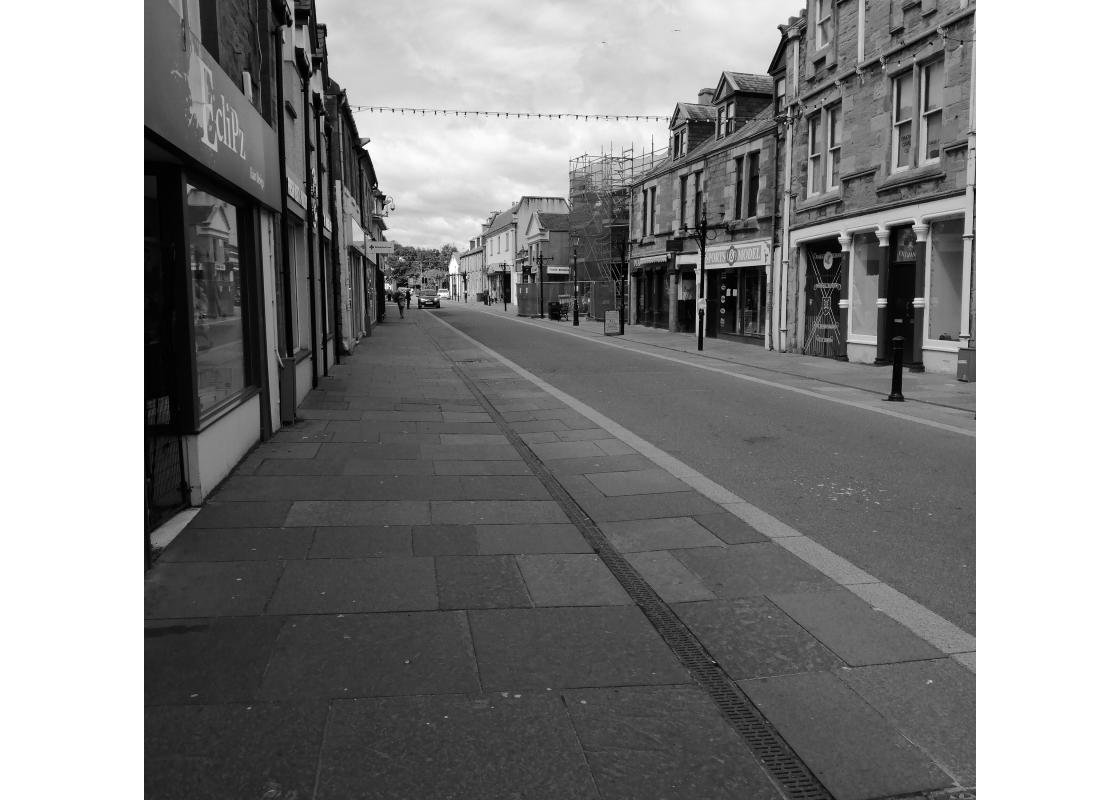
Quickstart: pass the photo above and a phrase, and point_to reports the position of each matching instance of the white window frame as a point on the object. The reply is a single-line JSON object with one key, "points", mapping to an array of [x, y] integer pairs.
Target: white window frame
{"points": [[815, 159], [923, 137], [897, 123], [832, 152], [823, 24]]}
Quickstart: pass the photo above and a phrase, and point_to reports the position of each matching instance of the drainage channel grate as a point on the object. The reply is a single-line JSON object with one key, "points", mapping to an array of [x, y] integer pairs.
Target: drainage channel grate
{"points": [[784, 767]]}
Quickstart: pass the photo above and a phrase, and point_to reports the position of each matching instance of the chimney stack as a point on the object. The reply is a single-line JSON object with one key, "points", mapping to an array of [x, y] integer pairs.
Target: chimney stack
{"points": [[705, 96]]}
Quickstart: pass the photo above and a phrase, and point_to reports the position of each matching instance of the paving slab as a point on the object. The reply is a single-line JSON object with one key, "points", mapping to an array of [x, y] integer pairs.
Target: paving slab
{"points": [[392, 466], [407, 748], [363, 655], [850, 748], [486, 452], [672, 581], [552, 648], [219, 752], [358, 512], [206, 661], [853, 629], [238, 544], [496, 512], [556, 579], [645, 481], [750, 638], [362, 541], [613, 447], [502, 487], [666, 533], [466, 416], [340, 487], [473, 439], [730, 528], [540, 437], [508, 467], [932, 703], [648, 506], [548, 451], [743, 570], [583, 435], [381, 451], [480, 582], [353, 585], [243, 515], [550, 538], [668, 742], [598, 463], [444, 540], [228, 589]]}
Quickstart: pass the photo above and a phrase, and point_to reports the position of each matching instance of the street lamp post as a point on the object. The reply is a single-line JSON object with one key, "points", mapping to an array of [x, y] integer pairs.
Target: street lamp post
{"points": [[575, 281], [505, 284], [702, 234]]}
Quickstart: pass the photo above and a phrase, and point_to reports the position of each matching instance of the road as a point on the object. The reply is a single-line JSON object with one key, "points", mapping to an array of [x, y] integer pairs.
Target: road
{"points": [[894, 497]]}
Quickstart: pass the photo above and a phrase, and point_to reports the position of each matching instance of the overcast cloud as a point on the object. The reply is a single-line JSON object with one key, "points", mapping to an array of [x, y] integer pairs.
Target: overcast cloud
{"points": [[446, 174]]}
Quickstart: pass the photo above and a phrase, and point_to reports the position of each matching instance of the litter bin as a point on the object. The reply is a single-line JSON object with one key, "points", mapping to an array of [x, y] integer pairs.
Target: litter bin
{"points": [[966, 365], [554, 310]]}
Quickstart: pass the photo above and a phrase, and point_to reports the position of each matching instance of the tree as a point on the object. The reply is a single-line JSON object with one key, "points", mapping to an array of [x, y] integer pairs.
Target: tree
{"points": [[423, 266]]}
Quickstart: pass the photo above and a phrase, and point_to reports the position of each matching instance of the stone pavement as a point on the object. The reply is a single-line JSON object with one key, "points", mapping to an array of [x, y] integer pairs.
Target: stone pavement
{"points": [[443, 582]]}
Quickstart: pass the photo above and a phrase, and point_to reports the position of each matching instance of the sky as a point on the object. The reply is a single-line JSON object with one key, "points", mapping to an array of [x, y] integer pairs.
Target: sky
{"points": [[446, 174]]}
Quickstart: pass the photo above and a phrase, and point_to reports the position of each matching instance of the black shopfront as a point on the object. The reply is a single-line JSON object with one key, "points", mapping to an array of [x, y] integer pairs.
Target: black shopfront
{"points": [[211, 176]]}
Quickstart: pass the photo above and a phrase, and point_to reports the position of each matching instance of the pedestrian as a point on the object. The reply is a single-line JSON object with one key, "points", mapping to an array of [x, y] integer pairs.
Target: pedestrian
{"points": [[408, 297], [399, 297]]}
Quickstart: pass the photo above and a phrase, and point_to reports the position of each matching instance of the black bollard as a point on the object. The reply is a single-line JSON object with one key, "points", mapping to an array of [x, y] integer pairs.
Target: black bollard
{"points": [[896, 374]]}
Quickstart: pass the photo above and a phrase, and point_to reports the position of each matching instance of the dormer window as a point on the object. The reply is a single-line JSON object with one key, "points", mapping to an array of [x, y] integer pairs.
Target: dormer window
{"points": [[721, 121], [729, 110], [679, 142]]}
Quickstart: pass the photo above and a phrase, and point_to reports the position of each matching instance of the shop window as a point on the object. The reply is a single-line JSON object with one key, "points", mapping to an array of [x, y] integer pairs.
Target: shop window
{"points": [[301, 299], [946, 272], [219, 332], [865, 263]]}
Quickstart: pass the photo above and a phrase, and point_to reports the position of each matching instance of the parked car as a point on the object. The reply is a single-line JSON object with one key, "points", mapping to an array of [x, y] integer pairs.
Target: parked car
{"points": [[429, 298], [444, 294]]}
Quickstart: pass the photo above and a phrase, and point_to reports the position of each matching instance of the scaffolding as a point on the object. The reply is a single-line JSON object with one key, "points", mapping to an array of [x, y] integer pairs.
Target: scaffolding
{"points": [[599, 222]]}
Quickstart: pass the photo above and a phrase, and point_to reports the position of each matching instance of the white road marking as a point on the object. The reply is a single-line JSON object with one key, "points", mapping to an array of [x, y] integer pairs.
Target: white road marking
{"points": [[926, 624], [865, 405]]}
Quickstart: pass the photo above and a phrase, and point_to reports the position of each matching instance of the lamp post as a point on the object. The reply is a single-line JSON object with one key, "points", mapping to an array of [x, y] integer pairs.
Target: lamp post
{"points": [[505, 282], [575, 281], [702, 234]]}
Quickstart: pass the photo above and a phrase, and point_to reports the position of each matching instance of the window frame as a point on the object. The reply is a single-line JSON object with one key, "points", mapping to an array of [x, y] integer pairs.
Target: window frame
{"points": [[813, 139], [698, 196], [684, 198], [896, 123], [925, 71], [721, 121], [823, 23], [832, 147], [652, 204], [739, 172], [754, 172]]}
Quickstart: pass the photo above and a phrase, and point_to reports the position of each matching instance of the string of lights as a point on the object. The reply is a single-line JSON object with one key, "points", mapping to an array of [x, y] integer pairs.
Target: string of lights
{"points": [[507, 114]]}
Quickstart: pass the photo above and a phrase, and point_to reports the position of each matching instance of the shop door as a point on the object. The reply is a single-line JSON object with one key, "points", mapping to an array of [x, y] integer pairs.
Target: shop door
{"points": [[900, 307], [165, 489], [686, 302], [728, 300], [822, 304]]}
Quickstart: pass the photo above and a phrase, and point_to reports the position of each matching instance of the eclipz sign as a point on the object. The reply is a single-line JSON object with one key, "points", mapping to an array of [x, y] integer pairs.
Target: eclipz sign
{"points": [[220, 124]]}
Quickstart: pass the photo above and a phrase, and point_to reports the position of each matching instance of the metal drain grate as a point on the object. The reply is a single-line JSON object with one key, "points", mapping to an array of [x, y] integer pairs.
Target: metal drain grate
{"points": [[788, 771]]}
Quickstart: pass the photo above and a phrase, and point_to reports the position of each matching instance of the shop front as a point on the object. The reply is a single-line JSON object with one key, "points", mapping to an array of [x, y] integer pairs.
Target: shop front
{"points": [[211, 186], [896, 273], [736, 276]]}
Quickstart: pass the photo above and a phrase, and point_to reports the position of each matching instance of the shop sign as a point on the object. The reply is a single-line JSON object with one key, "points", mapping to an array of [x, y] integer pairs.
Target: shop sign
{"points": [[191, 102], [295, 191], [904, 246], [741, 254]]}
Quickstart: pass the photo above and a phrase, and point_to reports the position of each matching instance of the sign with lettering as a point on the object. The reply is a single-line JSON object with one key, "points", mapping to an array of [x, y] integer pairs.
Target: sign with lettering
{"points": [[740, 254], [612, 325], [190, 102], [904, 246]]}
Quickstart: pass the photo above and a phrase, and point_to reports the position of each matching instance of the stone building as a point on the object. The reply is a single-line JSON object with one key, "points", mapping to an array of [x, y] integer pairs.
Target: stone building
{"points": [[876, 104]]}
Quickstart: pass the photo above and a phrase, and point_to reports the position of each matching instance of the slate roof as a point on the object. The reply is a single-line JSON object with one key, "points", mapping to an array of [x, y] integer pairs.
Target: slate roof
{"points": [[748, 82], [553, 222], [697, 112]]}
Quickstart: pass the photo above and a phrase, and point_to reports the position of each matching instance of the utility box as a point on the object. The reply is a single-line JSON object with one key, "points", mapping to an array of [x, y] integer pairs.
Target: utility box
{"points": [[966, 364], [554, 310]]}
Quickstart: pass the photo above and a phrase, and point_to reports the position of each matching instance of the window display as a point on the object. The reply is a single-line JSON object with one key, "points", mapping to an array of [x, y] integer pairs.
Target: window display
{"points": [[863, 315], [946, 270], [219, 336]]}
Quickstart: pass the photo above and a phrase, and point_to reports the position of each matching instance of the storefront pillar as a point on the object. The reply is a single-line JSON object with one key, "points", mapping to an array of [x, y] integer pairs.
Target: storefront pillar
{"points": [[674, 292], [845, 301], [882, 323], [921, 233]]}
